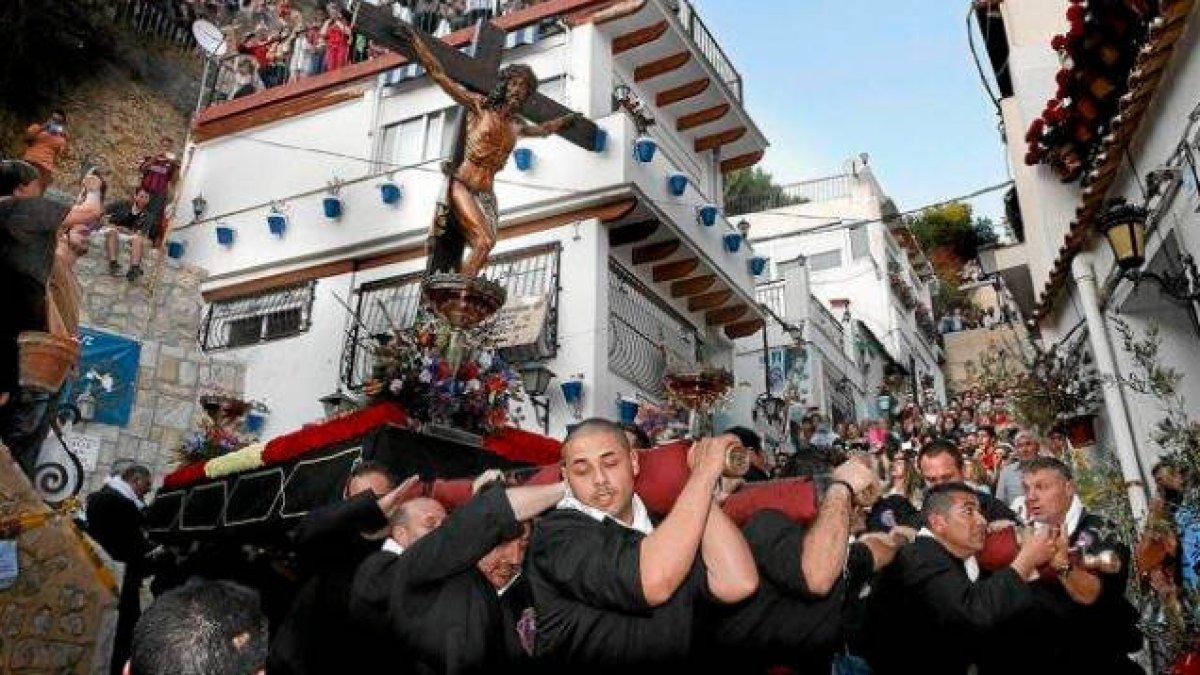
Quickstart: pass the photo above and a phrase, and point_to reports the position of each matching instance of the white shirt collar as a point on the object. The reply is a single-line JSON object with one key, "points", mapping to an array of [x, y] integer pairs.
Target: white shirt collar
{"points": [[969, 564], [392, 546], [505, 587], [125, 489], [1074, 515], [641, 517]]}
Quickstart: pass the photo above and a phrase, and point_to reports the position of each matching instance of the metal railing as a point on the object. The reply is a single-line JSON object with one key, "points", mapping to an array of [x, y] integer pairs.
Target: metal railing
{"points": [[393, 303], [708, 46], [646, 338], [167, 21], [262, 317], [826, 322], [771, 295], [816, 190]]}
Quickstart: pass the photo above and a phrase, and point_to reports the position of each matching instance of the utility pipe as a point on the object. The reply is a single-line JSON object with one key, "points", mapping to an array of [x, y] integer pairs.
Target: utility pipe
{"points": [[1118, 415]]}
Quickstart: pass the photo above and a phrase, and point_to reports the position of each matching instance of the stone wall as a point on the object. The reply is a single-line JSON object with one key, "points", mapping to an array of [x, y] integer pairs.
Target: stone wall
{"points": [[162, 311], [965, 349]]}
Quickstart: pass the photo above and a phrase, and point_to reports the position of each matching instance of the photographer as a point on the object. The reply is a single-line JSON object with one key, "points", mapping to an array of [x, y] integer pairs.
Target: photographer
{"points": [[30, 228]]}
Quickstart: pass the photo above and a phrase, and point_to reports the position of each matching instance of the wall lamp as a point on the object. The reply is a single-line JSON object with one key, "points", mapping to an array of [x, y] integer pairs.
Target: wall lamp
{"points": [[1124, 226]]}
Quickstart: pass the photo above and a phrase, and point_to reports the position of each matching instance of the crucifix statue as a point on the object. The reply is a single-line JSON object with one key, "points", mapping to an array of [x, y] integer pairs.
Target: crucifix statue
{"points": [[498, 102]]}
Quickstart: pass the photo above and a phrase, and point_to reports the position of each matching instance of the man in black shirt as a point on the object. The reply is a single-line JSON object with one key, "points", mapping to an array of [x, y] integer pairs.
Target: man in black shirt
{"points": [[128, 220], [330, 543], [1084, 621], [29, 228], [930, 611], [425, 592], [610, 589], [807, 578]]}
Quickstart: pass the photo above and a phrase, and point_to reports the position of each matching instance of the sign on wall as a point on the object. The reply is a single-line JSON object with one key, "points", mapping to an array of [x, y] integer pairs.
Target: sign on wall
{"points": [[108, 371]]}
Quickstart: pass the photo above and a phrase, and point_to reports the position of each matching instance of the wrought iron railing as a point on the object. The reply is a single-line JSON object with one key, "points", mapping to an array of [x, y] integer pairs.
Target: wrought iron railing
{"points": [[262, 317], [708, 46], [646, 338], [390, 304]]}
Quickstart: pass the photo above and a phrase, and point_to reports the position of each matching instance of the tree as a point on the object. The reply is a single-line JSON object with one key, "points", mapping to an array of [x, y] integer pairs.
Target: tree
{"points": [[750, 190], [948, 225]]}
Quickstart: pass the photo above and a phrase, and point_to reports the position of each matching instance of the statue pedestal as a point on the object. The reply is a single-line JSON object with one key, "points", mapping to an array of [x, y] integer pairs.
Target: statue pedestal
{"points": [[462, 301]]}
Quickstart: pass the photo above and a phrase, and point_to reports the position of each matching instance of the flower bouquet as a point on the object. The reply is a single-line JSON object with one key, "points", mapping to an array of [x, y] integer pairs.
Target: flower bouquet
{"points": [[445, 377]]}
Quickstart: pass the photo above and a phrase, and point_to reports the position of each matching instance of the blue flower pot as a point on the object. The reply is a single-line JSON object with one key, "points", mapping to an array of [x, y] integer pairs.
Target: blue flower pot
{"points": [[707, 215], [175, 249], [225, 235], [627, 410], [600, 140], [277, 223], [572, 391], [524, 158], [389, 192], [255, 421], [333, 207], [677, 184], [644, 148], [757, 265], [733, 242]]}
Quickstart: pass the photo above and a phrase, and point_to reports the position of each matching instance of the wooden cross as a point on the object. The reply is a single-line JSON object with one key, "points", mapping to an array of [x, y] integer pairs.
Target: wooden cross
{"points": [[478, 72]]}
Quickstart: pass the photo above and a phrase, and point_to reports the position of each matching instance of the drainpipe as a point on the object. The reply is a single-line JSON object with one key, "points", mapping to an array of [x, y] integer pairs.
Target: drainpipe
{"points": [[1114, 404]]}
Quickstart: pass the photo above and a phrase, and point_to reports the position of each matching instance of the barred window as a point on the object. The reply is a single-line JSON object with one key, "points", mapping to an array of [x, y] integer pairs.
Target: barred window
{"points": [[390, 304], [261, 317], [646, 338]]}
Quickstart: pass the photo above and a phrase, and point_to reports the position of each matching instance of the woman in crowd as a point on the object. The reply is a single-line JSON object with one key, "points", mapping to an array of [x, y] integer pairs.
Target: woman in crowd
{"points": [[335, 34], [300, 65]]}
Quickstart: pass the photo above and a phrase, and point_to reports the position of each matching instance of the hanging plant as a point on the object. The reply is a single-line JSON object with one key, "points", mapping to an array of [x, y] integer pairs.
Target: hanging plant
{"points": [[332, 204]]}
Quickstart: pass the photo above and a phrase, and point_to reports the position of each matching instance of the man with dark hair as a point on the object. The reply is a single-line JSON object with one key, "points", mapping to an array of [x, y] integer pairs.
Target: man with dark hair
{"points": [[1081, 609], [808, 578], [114, 520], [128, 220], [201, 628], [942, 462], [426, 591], [934, 588], [758, 459], [331, 543], [612, 590]]}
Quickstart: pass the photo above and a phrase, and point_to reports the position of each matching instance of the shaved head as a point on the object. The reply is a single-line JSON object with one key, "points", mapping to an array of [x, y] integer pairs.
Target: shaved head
{"points": [[600, 467], [416, 518]]}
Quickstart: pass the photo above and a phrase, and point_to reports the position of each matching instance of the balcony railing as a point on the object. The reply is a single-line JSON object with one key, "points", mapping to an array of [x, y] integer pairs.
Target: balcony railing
{"points": [[771, 295], [646, 338], [708, 46], [826, 322], [816, 190]]}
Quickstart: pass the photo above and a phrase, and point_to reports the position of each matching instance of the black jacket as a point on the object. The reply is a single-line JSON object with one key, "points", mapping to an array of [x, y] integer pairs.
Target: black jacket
{"points": [[439, 612], [330, 546], [115, 523], [926, 616]]}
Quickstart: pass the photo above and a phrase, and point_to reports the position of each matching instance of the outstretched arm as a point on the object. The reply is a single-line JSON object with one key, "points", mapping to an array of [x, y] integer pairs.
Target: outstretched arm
{"points": [[732, 575], [552, 127], [459, 93]]}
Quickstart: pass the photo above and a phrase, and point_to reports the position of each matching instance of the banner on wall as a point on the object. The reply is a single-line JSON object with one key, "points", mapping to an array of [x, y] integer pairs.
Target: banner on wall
{"points": [[108, 372]]}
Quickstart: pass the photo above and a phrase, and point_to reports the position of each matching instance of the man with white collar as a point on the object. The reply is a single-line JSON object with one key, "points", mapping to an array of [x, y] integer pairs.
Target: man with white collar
{"points": [[932, 595], [1094, 626], [425, 591], [114, 520], [610, 589]]}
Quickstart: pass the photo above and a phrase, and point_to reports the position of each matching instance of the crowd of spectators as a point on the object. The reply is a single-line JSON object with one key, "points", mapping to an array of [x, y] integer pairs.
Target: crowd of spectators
{"points": [[271, 42], [973, 318]]}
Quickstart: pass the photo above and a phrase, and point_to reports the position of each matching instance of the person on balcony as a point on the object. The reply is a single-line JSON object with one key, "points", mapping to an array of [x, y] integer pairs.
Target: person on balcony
{"points": [[335, 34]]}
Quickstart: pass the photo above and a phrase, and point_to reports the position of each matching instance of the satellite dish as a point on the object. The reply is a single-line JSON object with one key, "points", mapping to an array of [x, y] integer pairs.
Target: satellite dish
{"points": [[210, 38]]}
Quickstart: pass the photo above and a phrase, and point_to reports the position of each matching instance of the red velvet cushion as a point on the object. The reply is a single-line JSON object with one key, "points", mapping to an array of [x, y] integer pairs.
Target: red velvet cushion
{"points": [[795, 497], [999, 549], [452, 493], [662, 475]]}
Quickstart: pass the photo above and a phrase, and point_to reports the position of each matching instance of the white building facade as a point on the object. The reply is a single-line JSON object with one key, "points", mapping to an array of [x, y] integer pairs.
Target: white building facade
{"points": [[846, 280], [1080, 291], [632, 283]]}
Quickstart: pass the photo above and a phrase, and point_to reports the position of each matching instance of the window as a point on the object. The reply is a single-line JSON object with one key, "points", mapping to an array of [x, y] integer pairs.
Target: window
{"points": [[262, 317], [646, 338], [393, 303], [860, 242], [826, 260], [554, 89], [419, 139]]}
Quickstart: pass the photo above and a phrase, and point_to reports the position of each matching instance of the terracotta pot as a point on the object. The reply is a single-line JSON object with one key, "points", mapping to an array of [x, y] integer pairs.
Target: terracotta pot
{"points": [[46, 359]]}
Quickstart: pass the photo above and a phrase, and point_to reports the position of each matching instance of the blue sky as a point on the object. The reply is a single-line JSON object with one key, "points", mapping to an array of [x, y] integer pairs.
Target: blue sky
{"points": [[828, 79]]}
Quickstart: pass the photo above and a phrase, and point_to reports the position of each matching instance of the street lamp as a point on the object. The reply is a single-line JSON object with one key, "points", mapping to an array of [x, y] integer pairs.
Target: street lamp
{"points": [[535, 380], [1124, 226], [199, 206]]}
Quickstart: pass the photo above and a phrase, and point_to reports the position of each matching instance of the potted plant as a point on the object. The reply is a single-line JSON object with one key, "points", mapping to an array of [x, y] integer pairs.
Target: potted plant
{"points": [[332, 203]]}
